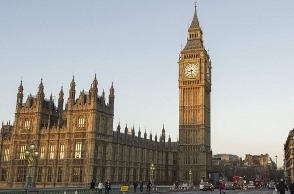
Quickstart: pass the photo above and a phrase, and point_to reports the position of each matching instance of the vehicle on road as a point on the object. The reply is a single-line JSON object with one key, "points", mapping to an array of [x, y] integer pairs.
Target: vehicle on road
{"points": [[229, 186], [271, 185], [238, 182], [251, 186], [208, 187], [202, 184]]}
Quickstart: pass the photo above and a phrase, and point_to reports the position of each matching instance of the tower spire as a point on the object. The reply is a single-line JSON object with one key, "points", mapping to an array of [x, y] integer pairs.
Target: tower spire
{"points": [[195, 21]]}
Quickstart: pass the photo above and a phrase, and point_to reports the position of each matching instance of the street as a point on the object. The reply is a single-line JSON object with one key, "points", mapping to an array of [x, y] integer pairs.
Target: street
{"points": [[249, 191]]}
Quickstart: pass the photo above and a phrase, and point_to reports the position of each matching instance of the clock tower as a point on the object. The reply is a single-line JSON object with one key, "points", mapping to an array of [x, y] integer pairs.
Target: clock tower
{"points": [[194, 107]]}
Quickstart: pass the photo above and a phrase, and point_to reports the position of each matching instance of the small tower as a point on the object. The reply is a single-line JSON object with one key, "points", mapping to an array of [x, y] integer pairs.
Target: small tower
{"points": [[60, 100], [40, 94], [72, 91], [19, 97], [111, 98], [163, 134], [94, 90]]}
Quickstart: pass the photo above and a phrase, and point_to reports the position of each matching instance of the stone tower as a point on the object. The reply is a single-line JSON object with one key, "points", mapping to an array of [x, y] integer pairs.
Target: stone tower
{"points": [[194, 107]]}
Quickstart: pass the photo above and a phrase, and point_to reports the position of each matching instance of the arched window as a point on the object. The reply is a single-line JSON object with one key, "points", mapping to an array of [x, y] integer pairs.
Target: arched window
{"points": [[81, 122]]}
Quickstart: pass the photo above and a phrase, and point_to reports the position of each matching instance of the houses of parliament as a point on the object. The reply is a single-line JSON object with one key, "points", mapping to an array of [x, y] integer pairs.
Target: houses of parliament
{"points": [[75, 141]]}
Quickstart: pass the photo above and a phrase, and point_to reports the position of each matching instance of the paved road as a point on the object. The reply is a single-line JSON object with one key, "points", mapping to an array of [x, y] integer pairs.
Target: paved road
{"points": [[249, 191]]}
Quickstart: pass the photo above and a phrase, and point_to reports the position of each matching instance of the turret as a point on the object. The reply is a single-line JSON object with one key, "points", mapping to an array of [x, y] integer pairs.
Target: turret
{"points": [[133, 131], [111, 97], [72, 91], [126, 130], [103, 98], [60, 100], [19, 96], [150, 136], [118, 129], [94, 89], [163, 133], [40, 94], [139, 133]]}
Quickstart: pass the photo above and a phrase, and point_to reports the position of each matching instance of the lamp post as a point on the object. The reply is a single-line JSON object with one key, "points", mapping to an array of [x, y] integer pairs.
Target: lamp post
{"points": [[31, 155], [152, 168], [190, 178], [276, 168]]}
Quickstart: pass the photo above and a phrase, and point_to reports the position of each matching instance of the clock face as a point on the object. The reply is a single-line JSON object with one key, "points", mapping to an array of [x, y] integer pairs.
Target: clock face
{"points": [[191, 70]]}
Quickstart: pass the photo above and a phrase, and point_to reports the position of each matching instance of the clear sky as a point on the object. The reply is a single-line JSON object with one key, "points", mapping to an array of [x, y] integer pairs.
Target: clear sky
{"points": [[136, 44]]}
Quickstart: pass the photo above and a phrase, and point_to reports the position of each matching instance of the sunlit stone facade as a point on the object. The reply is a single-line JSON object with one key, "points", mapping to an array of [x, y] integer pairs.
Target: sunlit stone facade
{"points": [[78, 143]]}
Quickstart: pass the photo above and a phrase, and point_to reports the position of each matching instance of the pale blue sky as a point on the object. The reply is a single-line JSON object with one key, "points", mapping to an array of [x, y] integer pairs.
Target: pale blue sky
{"points": [[135, 45]]}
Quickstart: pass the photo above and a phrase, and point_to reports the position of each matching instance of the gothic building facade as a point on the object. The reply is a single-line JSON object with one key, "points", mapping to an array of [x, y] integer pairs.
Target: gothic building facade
{"points": [[76, 141], [78, 144]]}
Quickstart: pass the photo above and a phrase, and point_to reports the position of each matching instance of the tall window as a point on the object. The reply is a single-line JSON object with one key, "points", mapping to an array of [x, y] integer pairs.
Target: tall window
{"points": [[59, 174], [78, 150], [21, 174], [49, 176], [51, 155], [61, 153], [77, 175], [39, 176], [4, 174], [6, 154], [42, 152], [81, 122], [22, 152], [27, 124]]}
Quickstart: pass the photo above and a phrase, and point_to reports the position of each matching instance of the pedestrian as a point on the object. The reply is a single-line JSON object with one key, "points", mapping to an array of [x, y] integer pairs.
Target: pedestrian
{"points": [[291, 187], [100, 186], [177, 185], [221, 187], [149, 185], [281, 187], [141, 186], [135, 186], [92, 186], [107, 186]]}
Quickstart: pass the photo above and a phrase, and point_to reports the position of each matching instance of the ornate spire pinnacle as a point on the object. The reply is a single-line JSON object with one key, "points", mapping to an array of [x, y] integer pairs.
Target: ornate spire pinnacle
{"points": [[95, 82], [72, 89], [41, 90], [20, 88], [195, 22], [111, 90]]}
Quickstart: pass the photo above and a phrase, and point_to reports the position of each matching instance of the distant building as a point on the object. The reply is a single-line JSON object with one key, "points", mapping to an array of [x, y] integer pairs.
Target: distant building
{"points": [[257, 160], [289, 156]]}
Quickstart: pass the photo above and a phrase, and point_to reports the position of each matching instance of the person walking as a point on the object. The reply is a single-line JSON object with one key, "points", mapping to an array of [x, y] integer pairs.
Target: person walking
{"points": [[149, 185], [92, 186], [221, 187], [291, 187], [135, 186], [100, 186], [141, 186], [107, 186], [176, 185], [282, 186]]}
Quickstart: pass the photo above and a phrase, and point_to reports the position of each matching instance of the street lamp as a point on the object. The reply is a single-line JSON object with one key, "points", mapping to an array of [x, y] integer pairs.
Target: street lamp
{"points": [[31, 155], [190, 178], [152, 168], [276, 168]]}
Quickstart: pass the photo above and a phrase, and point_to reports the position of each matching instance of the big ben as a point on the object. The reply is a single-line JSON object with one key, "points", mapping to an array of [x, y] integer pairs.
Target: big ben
{"points": [[194, 83]]}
